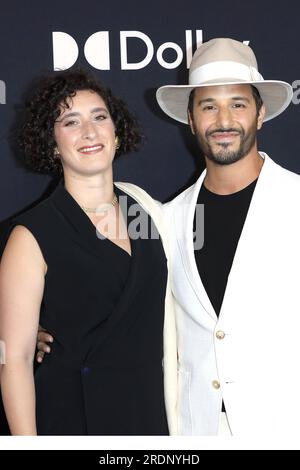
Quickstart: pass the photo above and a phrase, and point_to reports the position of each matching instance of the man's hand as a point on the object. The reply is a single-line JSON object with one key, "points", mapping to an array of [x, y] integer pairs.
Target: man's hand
{"points": [[42, 339]]}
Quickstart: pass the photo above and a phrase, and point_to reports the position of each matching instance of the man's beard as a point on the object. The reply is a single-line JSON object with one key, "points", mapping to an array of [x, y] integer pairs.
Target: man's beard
{"points": [[225, 156]]}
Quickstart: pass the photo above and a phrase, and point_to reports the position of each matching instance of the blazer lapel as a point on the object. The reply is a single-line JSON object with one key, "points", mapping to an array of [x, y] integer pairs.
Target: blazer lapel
{"points": [[184, 237], [244, 267]]}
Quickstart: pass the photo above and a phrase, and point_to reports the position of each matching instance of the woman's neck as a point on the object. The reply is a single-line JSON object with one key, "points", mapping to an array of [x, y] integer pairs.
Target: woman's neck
{"points": [[90, 191]]}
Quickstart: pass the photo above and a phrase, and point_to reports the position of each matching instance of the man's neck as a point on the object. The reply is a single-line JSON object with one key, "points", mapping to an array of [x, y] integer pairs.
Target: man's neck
{"points": [[229, 179]]}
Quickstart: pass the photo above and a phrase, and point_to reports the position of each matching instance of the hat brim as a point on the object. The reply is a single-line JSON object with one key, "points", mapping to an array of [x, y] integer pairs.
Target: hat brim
{"points": [[276, 96]]}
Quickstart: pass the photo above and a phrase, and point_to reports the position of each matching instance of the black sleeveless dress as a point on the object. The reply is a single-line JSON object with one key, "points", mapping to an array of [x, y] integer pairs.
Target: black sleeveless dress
{"points": [[105, 310]]}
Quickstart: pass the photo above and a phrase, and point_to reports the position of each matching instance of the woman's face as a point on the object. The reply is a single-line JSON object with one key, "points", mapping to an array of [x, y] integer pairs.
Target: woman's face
{"points": [[85, 135]]}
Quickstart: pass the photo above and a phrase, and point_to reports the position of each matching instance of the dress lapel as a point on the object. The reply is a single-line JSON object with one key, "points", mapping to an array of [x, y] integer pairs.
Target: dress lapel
{"points": [[79, 226], [137, 277], [83, 232]]}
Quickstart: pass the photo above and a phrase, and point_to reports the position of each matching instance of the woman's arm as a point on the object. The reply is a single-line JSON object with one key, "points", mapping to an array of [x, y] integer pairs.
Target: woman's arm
{"points": [[22, 273]]}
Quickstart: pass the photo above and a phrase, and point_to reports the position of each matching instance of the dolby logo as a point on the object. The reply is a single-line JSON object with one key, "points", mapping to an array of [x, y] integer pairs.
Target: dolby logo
{"points": [[97, 50]]}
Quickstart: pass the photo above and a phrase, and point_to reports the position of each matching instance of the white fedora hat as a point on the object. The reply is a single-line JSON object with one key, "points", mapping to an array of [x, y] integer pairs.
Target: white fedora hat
{"points": [[224, 61]]}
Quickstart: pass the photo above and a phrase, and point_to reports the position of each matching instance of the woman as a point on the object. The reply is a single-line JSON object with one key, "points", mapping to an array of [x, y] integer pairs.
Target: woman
{"points": [[74, 265]]}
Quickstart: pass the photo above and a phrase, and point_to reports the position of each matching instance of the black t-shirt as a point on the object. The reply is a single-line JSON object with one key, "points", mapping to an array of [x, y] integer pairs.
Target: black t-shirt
{"points": [[224, 217]]}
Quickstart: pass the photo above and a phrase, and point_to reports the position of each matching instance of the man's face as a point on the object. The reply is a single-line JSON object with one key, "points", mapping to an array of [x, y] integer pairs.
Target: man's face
{"points": [[225, 122]]}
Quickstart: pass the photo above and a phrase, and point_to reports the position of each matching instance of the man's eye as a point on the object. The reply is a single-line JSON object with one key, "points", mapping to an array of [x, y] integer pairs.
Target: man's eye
{"points": [[100, 117], [239, 105], [208, 108]]}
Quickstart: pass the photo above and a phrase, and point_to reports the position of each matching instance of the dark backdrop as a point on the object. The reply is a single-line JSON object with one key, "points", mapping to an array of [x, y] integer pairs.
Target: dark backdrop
{"points": [[168, 160]]}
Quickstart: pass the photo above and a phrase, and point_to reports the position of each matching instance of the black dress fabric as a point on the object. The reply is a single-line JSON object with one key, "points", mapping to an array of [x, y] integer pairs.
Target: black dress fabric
{"points": [[105, 310]]}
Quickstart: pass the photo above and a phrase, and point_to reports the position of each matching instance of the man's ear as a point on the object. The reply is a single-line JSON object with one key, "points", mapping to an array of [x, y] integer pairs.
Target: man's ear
{"points": [[261, 116], [191, 122]]}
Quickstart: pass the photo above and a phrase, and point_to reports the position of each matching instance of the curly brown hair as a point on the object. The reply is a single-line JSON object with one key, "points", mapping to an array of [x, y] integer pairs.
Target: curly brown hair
{"points": [[36, 137]]}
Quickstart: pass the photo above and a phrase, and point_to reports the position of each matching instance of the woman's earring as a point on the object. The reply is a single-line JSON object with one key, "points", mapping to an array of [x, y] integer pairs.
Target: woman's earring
{"points": [[56, 152], [117, 143]]}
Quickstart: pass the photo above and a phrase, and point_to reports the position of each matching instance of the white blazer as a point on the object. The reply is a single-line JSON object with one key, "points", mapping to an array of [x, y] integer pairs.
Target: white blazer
{"points": [[257, 362], [153, 208]]}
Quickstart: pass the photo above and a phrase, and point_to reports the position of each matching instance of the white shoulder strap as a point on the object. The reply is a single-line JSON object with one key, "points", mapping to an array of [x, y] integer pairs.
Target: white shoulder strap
{"points": [[152, 207]]}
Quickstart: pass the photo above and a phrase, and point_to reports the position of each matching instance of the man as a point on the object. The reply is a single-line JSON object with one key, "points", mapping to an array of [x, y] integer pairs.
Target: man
{"points": [[237, 297], [238, 312]]}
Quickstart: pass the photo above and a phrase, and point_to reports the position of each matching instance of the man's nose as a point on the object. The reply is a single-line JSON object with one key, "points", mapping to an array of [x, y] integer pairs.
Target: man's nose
{"points": [[224, 117]]}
